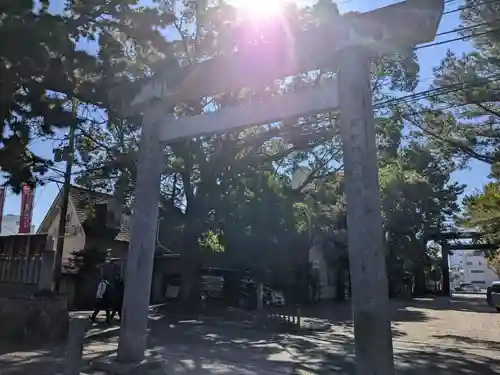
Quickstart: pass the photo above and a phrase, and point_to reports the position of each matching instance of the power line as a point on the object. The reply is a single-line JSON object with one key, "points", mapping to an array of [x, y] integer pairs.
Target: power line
{"points": [[39, 197], [457, 39], [448, 89], [465, 28]]}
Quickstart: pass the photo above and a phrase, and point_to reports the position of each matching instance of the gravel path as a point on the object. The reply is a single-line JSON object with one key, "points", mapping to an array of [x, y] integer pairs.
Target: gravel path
{"points": [[431, 337]]}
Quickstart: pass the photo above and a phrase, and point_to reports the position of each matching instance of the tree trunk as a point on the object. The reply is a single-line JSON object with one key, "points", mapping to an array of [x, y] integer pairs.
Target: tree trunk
{"points": [[349, 286], [340, 284], [420, 287], [260, 295], [190, 289]]}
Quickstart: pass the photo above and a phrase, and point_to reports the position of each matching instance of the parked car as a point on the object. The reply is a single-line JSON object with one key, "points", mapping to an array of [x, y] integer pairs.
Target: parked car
{"points": [[493, 295], [248, 295], [274, 297], [471, 288], [468, 288]]}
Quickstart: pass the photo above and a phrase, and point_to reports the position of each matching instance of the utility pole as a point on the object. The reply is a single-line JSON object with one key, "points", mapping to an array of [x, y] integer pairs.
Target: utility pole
{"points": [[66, 189], [370, 296]]}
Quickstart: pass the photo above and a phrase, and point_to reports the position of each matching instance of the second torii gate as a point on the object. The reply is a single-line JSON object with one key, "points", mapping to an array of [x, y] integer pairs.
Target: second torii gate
{"points": [[444, 238], [350, 43]]}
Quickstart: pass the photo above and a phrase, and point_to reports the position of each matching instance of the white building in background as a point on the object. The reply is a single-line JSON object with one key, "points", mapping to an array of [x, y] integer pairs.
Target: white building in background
{"points": [[10, 225], [470, 267]]}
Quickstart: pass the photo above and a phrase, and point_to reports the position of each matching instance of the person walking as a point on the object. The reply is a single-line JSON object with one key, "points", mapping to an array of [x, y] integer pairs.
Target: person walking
{"points": [[102, 300], [118, 289]]}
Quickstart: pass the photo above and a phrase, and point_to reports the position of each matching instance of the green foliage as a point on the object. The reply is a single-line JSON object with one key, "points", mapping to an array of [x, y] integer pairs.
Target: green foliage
{"points": [[232, 191], [494, 263], [41, 75], [465, 121], [87, 260], [481, 210], [417, 196], [228, 193], [211, 240]]}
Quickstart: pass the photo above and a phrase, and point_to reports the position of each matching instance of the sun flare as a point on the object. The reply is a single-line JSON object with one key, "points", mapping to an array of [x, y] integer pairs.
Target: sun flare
{"points": [[258, 9]]}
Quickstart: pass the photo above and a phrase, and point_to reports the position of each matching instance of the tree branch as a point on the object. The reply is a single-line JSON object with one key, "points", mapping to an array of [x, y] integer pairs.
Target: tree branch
{"points": [[466, 150]]}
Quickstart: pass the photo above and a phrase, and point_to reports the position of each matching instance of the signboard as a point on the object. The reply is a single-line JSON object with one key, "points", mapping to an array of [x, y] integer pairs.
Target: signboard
{"points": [[2, 202], [27, 198]]}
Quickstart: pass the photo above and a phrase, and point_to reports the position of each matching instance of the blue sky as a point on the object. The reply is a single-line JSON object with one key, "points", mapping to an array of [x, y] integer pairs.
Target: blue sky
{"points": [[474, 177]]}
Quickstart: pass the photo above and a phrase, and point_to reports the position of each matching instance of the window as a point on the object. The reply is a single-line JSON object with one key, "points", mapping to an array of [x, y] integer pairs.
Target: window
{"points": [[469, 263], [476, 271]]}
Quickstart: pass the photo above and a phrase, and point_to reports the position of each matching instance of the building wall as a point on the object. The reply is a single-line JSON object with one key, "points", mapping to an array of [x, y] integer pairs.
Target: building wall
{"points": [[74, 240], [475, 269], [10, 225]]}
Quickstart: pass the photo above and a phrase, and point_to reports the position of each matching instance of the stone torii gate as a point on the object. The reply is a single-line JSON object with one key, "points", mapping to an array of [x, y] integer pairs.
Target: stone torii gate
{"points": [[444, 239], [348, 43]]}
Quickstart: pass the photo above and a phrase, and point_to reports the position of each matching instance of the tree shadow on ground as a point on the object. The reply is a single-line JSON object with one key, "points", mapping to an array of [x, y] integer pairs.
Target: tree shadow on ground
{"points": [[445, 361], [471, 342], [337, 313], [40, 358], [225, 344], [412, 362], [40, 361], [30, 360], [203, 350], [404, 310], [192, 347], [316, 358]]}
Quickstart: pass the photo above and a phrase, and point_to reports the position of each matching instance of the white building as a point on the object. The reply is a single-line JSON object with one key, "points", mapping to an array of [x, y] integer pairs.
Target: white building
{"points": [[470, 267], [10, 225]]}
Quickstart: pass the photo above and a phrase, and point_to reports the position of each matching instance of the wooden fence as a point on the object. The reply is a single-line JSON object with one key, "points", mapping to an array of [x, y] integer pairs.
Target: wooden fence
{"points": [[285, 316], [20, 270], [26, 261], [30, 272]]}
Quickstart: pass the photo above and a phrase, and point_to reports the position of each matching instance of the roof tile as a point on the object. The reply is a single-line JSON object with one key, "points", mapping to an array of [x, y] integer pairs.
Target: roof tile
{"points": [[83, 199]]}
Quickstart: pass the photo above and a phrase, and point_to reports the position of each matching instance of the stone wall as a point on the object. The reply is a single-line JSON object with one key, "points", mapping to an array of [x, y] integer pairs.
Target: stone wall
{"points": [[33, 318], [9, 289]]}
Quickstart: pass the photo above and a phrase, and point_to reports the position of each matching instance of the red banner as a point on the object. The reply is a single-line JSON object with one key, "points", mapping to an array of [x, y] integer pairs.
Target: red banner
{"points": [[27, 198], [2, 202]]}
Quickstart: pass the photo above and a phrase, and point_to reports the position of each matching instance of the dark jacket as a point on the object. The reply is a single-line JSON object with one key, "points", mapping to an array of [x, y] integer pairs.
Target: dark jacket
{"points": [[119, 290]]}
